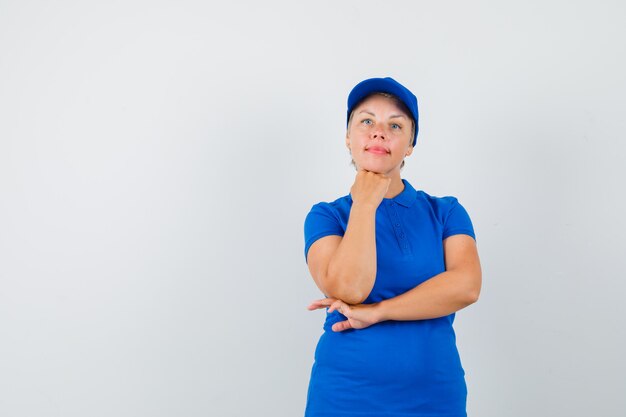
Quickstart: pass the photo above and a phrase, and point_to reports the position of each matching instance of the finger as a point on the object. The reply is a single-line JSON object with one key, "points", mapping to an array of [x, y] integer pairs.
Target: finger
{"points": [[323, 301], [341, 326], [318, 304], [345, 309], [334, 306]]}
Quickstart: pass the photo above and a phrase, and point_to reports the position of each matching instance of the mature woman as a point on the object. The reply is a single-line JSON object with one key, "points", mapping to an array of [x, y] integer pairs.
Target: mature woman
{"points": [[395, 264]]}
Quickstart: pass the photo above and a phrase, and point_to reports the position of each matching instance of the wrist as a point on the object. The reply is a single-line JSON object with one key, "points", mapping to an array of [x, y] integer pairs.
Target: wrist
{"points": [[380, 313], [368, 208]]}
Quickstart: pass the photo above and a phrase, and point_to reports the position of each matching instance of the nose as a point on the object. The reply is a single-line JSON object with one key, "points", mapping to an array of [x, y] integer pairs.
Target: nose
{"points": [[378, 134]]}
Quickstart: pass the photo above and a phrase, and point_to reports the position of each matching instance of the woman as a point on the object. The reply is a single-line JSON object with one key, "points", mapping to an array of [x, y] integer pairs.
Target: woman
{"points": [[395, 264]]}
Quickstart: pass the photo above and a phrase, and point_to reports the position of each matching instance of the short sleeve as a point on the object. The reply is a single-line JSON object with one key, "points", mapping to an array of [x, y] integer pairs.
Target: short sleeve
{"points": [[457, 221], [321, 221]]}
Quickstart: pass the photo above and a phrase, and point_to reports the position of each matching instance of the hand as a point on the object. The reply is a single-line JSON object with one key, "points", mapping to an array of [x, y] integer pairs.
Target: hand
{"points": [[369, 188], [359, 316]]}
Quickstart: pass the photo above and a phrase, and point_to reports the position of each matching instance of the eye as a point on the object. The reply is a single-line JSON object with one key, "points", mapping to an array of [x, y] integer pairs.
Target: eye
{"points": [[366, 121], [396, 126]]}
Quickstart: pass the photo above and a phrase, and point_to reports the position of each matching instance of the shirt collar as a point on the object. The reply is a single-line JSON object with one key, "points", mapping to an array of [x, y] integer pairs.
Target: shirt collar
{"points": [[406, 198]]}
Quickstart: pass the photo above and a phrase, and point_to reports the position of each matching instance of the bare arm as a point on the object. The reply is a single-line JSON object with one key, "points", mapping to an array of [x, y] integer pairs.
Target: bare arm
{"points": [[345, 267], [443, 294], [352, 268]]}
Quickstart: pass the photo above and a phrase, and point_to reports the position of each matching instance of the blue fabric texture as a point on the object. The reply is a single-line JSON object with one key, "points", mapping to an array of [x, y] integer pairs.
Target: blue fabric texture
{"points": [[392, 368]]}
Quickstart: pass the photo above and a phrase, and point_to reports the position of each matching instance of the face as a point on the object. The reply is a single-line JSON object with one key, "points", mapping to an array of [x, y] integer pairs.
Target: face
{"points": [[379, 135]]}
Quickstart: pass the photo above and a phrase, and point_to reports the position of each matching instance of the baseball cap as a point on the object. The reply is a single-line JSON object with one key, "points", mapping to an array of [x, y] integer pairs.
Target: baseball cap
{"points": [[384, 85]]}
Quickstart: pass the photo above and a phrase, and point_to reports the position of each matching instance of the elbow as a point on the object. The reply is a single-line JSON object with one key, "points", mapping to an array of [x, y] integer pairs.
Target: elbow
{"points": [[337, 288], [353, 299], [472, 296], [349, 284], [350, 295], [466, 298], [471, 293]]}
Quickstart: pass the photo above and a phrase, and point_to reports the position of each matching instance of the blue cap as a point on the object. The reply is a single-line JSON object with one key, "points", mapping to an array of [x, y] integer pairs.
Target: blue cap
{"points": [[384, 85]]}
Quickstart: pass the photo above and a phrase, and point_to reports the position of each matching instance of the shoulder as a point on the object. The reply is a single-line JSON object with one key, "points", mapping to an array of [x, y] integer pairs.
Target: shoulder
{"points": [[450, 214], [439, 205], [326, 218], [336, 207]]}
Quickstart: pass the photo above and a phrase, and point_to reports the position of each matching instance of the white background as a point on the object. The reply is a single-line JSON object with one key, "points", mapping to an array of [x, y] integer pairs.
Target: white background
{"points": [[158, 158]]}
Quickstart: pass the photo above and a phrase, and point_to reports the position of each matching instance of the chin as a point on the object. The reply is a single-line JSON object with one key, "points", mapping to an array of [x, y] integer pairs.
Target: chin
{"points": [[377, 168]]}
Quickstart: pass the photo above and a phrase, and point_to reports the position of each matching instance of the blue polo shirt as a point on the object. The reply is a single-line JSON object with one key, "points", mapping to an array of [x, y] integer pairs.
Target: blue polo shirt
{"points": [[392, 368]]}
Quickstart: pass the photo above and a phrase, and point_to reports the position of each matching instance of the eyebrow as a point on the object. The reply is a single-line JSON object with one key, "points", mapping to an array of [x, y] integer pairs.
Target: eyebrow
{"points": [[393, 116]]}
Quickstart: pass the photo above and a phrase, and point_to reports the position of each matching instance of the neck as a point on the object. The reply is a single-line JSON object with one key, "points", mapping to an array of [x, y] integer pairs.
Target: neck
{"points": [[396, 186]]}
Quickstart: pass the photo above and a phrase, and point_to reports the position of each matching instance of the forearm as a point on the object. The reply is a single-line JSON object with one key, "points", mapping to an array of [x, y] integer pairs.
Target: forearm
{"points": [[438, 296], [352, 269]]}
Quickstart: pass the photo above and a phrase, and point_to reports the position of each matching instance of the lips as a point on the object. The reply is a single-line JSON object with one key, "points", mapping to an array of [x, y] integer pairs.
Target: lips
{"points": [[377, 149]]}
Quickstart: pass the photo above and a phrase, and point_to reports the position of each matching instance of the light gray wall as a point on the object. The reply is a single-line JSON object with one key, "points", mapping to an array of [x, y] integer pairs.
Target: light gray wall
{"points": [[157, 160]]}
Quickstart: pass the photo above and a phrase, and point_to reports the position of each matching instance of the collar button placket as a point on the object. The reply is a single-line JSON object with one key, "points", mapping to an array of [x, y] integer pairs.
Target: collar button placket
{"points": [[398, 230]]}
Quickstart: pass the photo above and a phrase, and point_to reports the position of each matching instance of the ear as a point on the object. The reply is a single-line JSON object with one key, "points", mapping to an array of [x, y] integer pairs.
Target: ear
{"points": [[409, 151], [347, 141]]}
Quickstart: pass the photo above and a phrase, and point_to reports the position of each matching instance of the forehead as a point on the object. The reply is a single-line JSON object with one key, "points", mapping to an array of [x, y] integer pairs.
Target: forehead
{"points": [[381, 103]]}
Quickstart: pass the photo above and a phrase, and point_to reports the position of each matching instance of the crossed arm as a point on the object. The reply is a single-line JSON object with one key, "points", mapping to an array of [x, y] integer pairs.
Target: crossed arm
{"points": [[445, 293]]}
